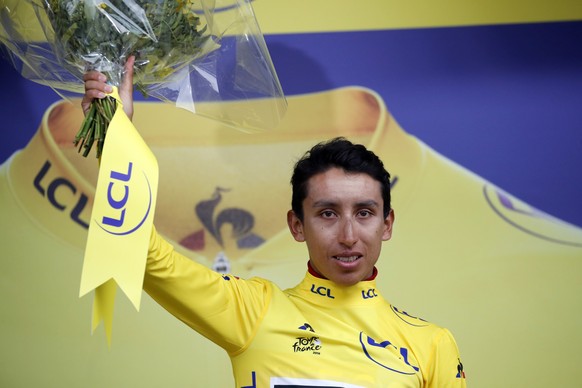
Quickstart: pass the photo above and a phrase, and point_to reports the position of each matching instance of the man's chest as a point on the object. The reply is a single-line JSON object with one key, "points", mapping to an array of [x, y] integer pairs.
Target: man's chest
{"points": [[293, 346]]}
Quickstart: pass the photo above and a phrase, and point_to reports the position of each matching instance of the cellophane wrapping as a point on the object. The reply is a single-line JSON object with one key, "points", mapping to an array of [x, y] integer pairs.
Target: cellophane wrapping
{"points": [[206, 56]]}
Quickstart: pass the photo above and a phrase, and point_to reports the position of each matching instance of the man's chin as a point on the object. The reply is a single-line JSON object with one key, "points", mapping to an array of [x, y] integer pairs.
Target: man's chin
{"points": [[347, 279]]}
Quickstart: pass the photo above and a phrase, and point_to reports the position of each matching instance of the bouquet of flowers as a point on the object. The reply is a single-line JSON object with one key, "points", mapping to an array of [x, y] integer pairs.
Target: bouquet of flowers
{"points": [[164, 35], [187, 51]]}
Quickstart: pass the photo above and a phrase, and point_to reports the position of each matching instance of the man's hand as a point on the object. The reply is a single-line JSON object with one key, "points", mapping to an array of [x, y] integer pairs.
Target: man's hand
{"points": [[96, 87]]}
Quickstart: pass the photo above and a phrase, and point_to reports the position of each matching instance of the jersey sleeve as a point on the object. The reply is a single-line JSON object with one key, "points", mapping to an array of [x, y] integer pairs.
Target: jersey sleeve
{"points": [[446, 367], [223, 308]]}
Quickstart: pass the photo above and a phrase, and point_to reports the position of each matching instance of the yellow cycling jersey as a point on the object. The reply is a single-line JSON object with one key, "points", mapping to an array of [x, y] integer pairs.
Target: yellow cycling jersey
{"points": [[314, 334]]}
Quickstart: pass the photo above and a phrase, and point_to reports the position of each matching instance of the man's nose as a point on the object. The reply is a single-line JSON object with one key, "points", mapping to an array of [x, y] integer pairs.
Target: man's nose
{"points": [[347, 233]]}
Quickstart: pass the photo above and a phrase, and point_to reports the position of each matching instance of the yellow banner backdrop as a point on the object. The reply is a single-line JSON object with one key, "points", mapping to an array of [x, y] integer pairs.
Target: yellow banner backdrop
{"points": [[280, 16]]}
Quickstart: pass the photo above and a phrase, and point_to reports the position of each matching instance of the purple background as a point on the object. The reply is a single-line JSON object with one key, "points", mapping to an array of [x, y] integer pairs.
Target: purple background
{"points": [[503, 101]]}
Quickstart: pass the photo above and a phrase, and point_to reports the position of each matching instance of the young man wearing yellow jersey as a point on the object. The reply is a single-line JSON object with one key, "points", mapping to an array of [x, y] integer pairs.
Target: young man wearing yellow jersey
{"points": [[333, 329]]}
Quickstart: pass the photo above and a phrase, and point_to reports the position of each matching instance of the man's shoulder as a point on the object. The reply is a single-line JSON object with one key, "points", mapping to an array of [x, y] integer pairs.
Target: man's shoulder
{"points": [[422, 336], [414, 323]]}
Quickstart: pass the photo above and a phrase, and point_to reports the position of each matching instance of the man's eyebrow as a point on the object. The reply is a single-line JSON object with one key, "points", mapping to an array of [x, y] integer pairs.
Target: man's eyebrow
{"points": [[329, 203], [324, 203], [368, 203]]}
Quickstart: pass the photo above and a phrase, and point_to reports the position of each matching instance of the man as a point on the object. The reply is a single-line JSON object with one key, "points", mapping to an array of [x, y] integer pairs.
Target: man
{"points": [[334, 329]]}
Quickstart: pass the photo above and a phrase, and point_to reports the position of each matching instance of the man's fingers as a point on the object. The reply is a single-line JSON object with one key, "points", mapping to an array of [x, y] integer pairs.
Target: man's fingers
{"points": [[90, 94], [96, 87], [93, 87], [94, 75]]}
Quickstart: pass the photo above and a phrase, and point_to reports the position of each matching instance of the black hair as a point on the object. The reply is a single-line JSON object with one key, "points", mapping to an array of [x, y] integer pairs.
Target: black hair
{"points": [[341, 153]]}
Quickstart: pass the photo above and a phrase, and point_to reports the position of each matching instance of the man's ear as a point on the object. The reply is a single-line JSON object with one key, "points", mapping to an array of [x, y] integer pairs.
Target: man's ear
{"points": [[388, 224], [295, 226]]}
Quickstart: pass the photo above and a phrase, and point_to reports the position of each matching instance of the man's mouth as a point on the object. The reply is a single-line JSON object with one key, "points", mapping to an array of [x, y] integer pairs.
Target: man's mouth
{"points": [[346, 259]]}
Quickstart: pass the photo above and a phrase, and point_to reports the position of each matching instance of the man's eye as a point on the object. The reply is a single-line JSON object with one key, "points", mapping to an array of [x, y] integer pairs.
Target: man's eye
{"points": [[365, 213], [327, 214]]}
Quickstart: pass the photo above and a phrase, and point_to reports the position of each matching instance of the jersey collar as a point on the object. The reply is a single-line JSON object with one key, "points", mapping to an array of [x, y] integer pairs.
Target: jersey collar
{"points": [[324, 292]]}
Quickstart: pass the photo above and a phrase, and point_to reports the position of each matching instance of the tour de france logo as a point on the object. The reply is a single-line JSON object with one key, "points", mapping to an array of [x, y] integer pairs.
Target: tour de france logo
{"points": [[129, 200], [307, 343]]}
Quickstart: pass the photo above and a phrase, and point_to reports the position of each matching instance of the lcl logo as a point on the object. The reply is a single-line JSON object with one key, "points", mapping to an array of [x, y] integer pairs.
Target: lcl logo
{"points": [[119, 201], [371, 293], [118, 205], [323, 291], [375, 351], [49, 185]]}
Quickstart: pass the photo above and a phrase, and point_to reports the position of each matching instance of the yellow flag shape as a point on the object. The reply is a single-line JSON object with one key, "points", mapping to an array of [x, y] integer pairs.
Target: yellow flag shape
{"points": [[121, 219]]}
